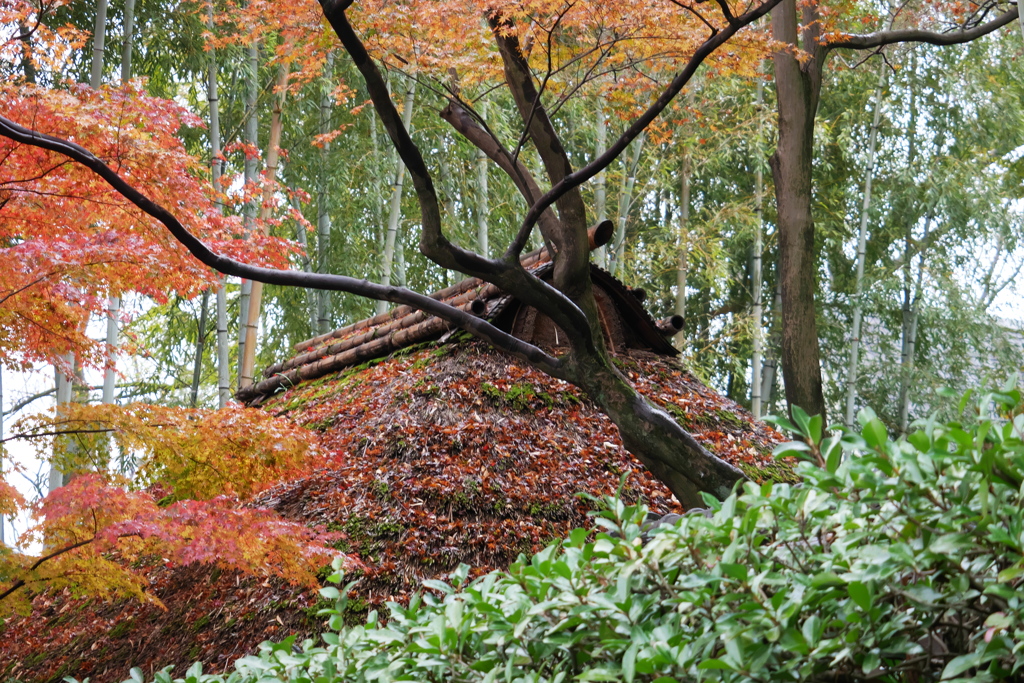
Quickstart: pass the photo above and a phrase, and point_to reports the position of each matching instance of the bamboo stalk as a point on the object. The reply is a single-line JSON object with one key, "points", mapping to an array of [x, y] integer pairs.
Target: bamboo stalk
{"points": [[757, 306], [396, 203], [851, 378], [273, 155], [600, 184]]}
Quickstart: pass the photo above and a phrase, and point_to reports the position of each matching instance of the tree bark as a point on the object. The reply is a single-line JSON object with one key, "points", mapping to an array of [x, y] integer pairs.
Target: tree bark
{"points": [[757, 304], [797, 88]]}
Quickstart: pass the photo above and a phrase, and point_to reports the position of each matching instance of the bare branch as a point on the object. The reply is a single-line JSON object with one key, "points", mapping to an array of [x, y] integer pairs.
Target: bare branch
{"points": [[506, 273], [873, 40], [462, 122], [433, 242], [61, 432], [57, 553], [572, 211], [577, 178]]}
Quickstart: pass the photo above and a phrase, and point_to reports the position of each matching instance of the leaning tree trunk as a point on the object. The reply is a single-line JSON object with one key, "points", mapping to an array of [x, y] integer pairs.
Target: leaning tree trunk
{"points": [[797, 89], [862, 235]]}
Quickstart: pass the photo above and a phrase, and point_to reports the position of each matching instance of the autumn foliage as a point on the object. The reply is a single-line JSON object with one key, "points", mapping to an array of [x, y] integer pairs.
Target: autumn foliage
{"points": [[97, 534], [186, 453]]}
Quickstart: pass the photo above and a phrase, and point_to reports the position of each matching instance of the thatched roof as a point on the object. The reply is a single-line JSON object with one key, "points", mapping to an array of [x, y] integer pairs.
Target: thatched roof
{"points": [[628, 326]]}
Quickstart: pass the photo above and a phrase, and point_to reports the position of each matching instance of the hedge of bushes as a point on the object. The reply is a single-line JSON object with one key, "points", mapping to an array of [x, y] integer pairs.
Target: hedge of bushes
{"points": [[893, 560]]}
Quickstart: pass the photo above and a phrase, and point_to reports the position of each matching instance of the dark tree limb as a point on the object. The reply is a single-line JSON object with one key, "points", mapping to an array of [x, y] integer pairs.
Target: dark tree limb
{"points": [[572, 212], [582, 175], [228, 266], [882, 38], [509, 276], [483, 140]]}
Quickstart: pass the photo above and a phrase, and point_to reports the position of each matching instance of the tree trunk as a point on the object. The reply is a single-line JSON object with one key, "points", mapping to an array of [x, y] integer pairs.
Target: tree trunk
{"points": [[323, 214], [862, 235], [396, 204], [683, 268], [797, 87], [667, 450], [256, 294], [600, 192], [757, 306]]}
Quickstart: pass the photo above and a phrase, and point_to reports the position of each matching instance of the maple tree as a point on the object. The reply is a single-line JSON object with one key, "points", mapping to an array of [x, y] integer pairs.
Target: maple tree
{"points": [[200, 469], [97, 537], [503, 44]]}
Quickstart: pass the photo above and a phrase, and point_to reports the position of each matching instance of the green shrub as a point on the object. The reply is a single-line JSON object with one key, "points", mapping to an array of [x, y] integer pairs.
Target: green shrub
{"points": [[892, 557]]}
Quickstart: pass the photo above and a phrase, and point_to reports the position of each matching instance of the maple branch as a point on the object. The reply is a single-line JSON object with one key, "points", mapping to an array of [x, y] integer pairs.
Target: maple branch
{"points": [[519, 79], [21, 289], [507, 273], [62, 432], [882, 38], [578, 177], [42, 175], [483, 140], [57, 553], [684, 6], [229, 266]]}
